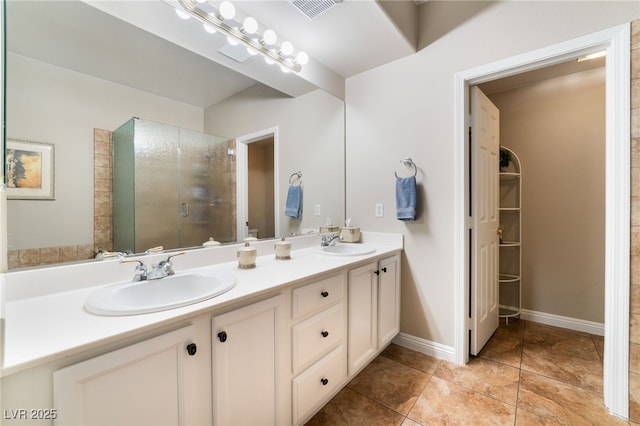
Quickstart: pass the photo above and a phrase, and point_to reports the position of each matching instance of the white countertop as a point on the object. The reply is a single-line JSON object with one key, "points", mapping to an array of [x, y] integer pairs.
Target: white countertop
{"points": [[47, 327]]}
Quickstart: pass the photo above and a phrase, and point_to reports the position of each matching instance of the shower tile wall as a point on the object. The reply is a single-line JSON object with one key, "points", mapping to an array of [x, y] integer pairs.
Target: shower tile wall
{"points": [[102, 191]]}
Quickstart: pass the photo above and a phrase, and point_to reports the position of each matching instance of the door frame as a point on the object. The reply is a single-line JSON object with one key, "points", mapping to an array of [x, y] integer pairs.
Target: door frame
{"points": [[616, 41], [242, 179]]}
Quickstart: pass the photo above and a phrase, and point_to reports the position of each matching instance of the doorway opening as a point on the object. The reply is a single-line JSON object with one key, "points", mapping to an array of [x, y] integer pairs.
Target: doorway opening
{"points": [[257, 190], [616, 42]]}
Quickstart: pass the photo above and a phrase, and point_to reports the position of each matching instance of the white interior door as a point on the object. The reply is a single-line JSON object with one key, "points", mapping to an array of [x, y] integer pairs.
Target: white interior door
{"points": [[485, 146]]}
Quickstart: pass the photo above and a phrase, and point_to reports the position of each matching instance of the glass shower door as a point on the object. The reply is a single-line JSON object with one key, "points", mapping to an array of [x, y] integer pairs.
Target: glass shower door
{"points": [[205, 209]]}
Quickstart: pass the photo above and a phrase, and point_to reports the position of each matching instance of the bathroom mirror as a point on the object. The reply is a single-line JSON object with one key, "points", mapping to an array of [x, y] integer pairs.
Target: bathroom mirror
{"points": [[72, 69]]}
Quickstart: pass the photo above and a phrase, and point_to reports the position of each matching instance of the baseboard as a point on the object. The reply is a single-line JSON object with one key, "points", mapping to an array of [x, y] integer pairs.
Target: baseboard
{"points": [[447, 353], [575, 324], [425, 346]]}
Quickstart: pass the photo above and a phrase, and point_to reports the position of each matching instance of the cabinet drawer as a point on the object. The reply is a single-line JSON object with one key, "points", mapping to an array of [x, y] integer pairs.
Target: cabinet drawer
{"points": [[312, 297], [315, 336], [316, 385]]}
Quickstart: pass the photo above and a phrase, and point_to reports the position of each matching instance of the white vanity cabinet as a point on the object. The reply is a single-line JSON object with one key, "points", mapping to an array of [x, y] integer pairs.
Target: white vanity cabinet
{"points": [[374, 310], [272, 354], [249, 363], [318, 338], [148, 383]]}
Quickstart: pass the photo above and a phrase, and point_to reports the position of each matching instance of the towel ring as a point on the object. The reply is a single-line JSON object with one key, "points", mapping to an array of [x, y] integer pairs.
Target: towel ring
{"points": [[408, 162], [295, 175]]}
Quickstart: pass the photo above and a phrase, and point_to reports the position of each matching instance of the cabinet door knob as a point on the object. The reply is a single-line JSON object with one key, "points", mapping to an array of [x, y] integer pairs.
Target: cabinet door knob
{"points": [[376, 272], [192, 349], [384, 269], [324, 293], [324, 381], [222, 336], [324, 333]]}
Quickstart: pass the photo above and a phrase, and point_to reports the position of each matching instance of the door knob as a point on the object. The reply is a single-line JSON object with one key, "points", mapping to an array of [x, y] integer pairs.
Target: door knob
{"points": [[192, 349]]}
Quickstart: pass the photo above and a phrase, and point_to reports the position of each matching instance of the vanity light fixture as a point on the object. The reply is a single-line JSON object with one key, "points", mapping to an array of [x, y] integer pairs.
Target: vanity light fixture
{"points": [[243, 32]]}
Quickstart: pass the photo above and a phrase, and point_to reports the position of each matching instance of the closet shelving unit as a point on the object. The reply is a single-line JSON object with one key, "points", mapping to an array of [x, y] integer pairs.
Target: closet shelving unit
{"points": [[510, 265]]}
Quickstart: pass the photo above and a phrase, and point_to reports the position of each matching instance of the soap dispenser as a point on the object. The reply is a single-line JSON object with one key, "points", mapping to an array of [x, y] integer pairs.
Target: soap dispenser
{"points": [[282, 249], [247, 256]]}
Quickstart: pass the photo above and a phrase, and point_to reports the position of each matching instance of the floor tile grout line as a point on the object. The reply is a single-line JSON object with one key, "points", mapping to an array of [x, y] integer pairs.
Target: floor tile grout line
{"points": [[409, 366], [524, 326], [385, 406], [419, 395]]}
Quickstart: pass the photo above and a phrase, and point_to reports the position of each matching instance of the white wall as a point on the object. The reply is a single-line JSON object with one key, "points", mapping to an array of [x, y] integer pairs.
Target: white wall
{"points": [[55, 105], [311, 139], [405, 108]]}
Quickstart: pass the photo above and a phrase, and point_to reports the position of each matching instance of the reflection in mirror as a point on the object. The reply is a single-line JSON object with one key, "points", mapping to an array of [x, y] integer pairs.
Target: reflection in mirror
{"points": [[172, 187], [73, 89]]}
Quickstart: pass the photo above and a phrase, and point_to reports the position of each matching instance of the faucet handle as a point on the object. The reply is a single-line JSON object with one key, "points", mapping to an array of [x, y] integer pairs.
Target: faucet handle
{"points": [[174, 255], [141, 269], [166, 266]]}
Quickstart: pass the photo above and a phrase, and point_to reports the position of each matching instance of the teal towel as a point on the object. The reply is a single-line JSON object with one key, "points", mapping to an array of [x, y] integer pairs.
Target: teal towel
{"points": [[406, 198], [293, 207]]}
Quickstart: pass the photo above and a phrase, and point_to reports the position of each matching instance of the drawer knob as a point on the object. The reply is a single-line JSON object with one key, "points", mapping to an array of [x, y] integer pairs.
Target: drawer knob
{"points": [[324, 381], [222, 336], [384, 269], [324, 333], [324, 293], [377, 272], [192, 349]]}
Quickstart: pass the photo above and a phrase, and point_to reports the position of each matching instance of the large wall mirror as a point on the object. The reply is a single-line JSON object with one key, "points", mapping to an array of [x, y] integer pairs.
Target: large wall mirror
{"points": [[75, 74]]}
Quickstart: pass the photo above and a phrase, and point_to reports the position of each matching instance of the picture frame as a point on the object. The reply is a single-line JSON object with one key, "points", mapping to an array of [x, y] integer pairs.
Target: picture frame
{"points": [[30, 170]]}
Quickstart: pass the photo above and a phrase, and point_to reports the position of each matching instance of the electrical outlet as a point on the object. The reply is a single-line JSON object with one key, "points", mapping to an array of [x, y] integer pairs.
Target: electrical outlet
{"points": [[379, 210], [316, 210]]}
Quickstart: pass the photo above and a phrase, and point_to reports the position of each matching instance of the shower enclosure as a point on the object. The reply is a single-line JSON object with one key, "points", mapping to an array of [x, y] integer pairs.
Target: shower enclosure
{"points": [[172, 187]]}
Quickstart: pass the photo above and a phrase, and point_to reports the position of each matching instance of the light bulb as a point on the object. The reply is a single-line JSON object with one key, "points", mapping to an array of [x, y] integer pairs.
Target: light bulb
{"points": [[302, 58], [201, 1], [250, 25], [268, 59], [251, 50], [182, 14], [208, 28], [269, 37], [286, 48], [232, 41], [227, 10]]}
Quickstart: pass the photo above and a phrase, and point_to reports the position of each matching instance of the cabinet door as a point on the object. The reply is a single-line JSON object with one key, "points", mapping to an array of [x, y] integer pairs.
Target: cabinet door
{"points": [[142, 384], [247, 356], [388, 300], [363, 313]]}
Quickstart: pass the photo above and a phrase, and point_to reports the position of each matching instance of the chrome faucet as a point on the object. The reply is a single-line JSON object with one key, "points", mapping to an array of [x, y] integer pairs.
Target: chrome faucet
{"points": [[329, 240], [140, 273], [163, 269]]}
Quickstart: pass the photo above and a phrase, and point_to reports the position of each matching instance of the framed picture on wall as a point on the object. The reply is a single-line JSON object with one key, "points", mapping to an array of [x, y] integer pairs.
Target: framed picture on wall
{"points": [[30, 170]]}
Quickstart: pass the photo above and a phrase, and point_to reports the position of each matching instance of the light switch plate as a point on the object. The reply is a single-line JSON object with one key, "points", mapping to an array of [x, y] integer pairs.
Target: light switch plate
{"points": [[379, 210], [316, 210]]}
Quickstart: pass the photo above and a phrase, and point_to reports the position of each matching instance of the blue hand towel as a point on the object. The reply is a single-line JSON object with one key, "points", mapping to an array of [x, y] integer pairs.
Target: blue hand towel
{"points": [[294, 202], [406, 196]]}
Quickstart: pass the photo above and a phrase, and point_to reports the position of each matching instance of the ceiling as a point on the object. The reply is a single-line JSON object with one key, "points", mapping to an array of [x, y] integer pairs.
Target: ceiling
{"points": [[143, 44]]}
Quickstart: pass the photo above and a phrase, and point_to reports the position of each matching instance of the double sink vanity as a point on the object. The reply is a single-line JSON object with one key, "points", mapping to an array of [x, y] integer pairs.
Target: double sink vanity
{"points": [[267, 345]]}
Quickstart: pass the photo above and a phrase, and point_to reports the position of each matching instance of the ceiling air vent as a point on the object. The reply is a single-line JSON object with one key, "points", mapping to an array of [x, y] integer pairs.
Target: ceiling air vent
{"points": [[313, 8]]}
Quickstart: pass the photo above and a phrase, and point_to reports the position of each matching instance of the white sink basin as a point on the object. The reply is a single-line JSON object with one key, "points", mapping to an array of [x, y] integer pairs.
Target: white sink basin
{"points": [[142, 297], [348, 249]]}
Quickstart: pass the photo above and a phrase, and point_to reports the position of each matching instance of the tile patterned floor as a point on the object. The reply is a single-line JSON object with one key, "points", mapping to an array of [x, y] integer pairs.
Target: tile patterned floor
{"points": [[527, 374]]}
